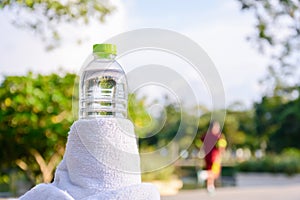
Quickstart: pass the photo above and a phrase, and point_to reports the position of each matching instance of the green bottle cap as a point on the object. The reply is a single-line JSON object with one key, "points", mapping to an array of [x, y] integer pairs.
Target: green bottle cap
{"points": [[105, 49]]}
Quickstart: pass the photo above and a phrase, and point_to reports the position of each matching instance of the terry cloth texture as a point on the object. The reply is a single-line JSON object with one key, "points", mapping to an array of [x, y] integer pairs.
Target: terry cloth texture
{"points": [[101, 162]]}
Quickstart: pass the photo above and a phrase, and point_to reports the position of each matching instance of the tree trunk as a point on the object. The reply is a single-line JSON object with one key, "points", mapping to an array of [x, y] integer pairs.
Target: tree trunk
{"points": [[47, 168]]}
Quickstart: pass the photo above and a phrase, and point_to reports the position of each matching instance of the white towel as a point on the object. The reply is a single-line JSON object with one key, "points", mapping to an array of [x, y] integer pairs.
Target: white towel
{"points": [[101, 162]]}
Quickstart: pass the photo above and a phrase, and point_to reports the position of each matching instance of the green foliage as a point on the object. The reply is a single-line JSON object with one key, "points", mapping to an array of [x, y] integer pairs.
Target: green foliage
{"points": [[277, 122], [171, 126], [273, 18], [35, 117], [159, 130], [278, 31], [4, 182], [45, 16], [239, 129], [287, 162], [163, 174], [107, 83], [139, 116]]}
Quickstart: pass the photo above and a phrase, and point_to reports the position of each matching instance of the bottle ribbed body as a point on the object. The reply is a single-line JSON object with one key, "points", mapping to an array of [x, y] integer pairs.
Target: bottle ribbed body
{"points": [[103, 89]]}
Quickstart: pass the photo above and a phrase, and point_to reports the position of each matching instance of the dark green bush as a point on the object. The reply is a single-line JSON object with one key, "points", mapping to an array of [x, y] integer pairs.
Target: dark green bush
{"points": [[287, 162]]}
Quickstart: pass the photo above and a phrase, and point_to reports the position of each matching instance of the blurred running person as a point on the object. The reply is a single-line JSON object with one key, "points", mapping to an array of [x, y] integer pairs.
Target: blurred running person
{"points": [[214, 145]]}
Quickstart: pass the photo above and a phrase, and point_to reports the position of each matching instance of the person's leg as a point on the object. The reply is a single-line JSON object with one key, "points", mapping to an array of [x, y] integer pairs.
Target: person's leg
{"points": [[213, 174], [210, 183], [208, 173]]}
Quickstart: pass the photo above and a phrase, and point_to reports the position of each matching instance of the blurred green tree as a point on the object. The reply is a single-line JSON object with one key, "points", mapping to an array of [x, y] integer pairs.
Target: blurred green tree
{"points": [[44, 16], [239, 129], [277, 121], [138, 114], [278, 34], [35, 117], [172, 125]]}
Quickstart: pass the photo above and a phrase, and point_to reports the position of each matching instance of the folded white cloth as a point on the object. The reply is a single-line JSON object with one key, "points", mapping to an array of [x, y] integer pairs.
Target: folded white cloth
{"points": [[101, 162]]}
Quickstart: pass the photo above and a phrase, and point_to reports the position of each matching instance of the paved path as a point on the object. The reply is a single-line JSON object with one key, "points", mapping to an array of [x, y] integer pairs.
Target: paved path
{"points": [[291, 192], [266, 179], [250, 186]]}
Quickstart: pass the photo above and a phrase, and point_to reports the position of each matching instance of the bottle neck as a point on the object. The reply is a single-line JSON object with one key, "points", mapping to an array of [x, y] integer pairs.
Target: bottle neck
{"points": [[102, 55]]}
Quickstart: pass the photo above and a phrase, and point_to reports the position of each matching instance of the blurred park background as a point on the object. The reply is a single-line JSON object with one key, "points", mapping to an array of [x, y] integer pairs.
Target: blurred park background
{"points": [[254, 44]]}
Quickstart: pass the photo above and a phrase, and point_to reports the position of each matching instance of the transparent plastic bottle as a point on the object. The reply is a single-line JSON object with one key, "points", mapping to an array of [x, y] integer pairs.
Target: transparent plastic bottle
{"points": [[103, 85]]}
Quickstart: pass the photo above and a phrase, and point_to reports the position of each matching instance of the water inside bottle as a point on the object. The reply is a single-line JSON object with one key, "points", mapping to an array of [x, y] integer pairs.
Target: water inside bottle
{"points": [[103, 94]]}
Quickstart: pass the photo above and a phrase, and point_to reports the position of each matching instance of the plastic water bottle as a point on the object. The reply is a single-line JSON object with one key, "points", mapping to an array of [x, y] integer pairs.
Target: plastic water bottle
{"points": [[103, 85]]}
